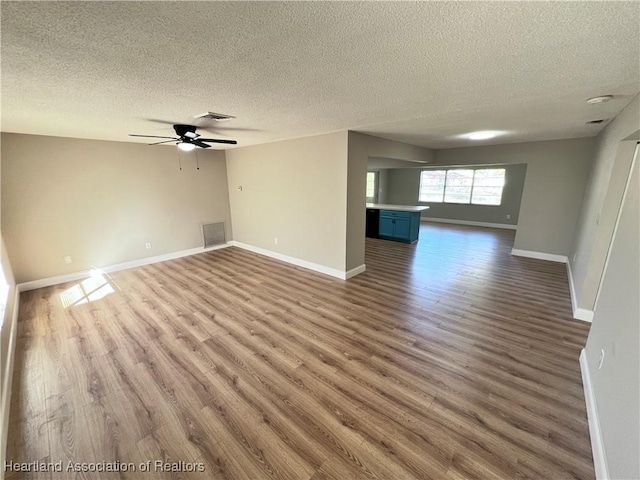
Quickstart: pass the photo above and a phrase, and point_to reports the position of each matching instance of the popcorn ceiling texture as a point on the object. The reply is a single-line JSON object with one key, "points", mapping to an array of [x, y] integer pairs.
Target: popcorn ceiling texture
{"points": [[421, 73]]}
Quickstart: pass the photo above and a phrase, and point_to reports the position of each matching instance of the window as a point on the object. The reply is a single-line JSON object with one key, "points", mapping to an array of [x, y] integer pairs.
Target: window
{"points": [[372, 187], [432, 185], [479, 186], [487, 186], [458, 186]]}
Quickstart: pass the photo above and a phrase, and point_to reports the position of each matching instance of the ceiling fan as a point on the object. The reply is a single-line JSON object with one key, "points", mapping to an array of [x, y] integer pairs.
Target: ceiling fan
{"points": [[186, 138]]}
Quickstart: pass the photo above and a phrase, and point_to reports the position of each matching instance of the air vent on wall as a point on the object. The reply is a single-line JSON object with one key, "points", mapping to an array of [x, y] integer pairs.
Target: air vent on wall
{"points": [[213, 234], [218, 117]]}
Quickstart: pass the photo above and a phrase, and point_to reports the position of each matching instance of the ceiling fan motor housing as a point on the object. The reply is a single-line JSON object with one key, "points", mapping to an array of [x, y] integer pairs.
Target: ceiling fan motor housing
{"points": [[182, 130]]}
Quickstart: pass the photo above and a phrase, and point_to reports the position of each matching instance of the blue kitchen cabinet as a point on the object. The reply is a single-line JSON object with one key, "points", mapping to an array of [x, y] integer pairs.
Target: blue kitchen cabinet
{"points": [[400, 226], [387, 227]]}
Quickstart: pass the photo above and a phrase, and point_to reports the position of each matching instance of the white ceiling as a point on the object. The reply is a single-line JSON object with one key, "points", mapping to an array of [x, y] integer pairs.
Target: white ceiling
{"points": [[422, 72]]}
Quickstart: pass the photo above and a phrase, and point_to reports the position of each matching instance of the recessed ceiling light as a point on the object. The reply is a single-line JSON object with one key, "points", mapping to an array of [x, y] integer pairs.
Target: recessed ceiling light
{"points": [[600, 99], [186, 147], [482, 135]]}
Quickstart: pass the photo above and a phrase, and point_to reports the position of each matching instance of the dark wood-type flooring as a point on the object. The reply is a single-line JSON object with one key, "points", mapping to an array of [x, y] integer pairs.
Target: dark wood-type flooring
{"points": [[449, 359]]}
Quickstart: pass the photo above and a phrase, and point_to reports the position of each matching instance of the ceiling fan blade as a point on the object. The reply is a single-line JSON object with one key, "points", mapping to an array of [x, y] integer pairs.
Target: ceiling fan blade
{"points": [[155, 120], [215, 129], [198, 123], [216, 140], [164, 141], [150, 136], [210, 128], [200, 144]]}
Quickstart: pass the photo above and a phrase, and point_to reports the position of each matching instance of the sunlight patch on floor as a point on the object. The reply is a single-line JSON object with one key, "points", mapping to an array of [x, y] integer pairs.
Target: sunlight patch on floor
{"points": [[97, 286]]}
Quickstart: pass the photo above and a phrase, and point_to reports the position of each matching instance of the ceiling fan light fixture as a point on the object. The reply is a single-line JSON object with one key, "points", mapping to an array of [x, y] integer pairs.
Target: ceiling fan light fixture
{"points": [[186, 147]]}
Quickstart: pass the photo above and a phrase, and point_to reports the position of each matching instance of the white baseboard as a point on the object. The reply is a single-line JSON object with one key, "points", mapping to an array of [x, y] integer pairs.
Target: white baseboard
{"points": [[355, 271], [72, 277], [583, 314], [316, 267], [572, 289], [469, 222], [5, 401], [578, 313], [597, 446], [551, 257]]}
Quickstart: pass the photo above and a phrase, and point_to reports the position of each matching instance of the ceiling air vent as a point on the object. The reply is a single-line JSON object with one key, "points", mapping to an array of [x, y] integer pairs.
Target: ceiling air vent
{"points": [[596, 122], [213, 234], [218, 117]]}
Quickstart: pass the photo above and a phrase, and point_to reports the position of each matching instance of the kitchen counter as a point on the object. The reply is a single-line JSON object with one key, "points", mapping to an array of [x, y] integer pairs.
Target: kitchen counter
{"points": [[400, 208], [394, 222]]}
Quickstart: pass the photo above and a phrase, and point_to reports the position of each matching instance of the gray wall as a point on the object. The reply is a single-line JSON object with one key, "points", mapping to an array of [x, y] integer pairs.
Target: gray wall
{"points": [[380, 163], [601, 203], [404, 185], [313, 192], [383, 186], [100, 202], [556, 176], [362, 150], [295, 191], [356, 198], [616, 330], [383, 153]]}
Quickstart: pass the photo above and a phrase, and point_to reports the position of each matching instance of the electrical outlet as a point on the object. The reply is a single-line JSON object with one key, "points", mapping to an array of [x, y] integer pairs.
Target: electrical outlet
{"points": [[67, 259], [508, 217], [275, 240], [147, 245], [601, 361]]}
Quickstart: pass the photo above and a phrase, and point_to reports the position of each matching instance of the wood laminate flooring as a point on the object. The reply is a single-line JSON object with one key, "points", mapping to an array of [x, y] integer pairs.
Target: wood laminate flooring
{"points": [[448, 359]]}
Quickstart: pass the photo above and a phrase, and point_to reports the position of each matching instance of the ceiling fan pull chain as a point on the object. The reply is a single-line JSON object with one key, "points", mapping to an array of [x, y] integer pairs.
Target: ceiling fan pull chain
{"points": [[197, 161], [179, 159]]}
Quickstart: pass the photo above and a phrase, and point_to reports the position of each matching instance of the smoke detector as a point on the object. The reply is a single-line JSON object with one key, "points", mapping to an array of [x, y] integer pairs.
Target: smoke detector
{"points": [[218, 117]]}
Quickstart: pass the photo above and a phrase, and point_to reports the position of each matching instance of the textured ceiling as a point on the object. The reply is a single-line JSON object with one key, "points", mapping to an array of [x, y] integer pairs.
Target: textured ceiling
{"points": [[422, 73]]}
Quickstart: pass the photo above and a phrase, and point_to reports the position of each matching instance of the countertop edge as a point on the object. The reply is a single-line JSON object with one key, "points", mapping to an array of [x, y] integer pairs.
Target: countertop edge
{"points": [[401, 208]]}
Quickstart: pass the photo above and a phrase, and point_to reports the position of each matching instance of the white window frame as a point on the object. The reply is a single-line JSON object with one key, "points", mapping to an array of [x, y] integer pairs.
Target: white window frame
{"points": [[471, 192], [376, 181]]}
